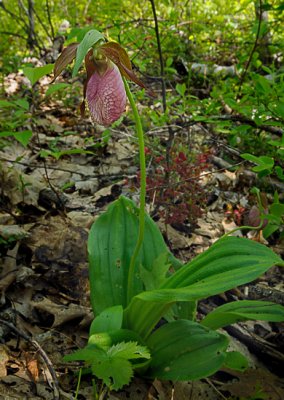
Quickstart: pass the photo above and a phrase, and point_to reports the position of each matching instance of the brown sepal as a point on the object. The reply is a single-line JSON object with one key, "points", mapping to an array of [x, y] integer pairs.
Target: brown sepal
{"points": [[66, 57], [119, 57]]}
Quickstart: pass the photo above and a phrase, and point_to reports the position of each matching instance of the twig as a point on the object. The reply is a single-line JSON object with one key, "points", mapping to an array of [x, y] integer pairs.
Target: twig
{"points": [[244, 120], [20, 21], [42, 353], [160, 55], [49, 19], [60, 202], [214, 388], [13, 34], [252, 51]]}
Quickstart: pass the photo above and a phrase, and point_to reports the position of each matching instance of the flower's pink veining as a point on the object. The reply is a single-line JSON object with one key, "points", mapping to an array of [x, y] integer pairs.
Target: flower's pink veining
{"points": [[106, 96]]}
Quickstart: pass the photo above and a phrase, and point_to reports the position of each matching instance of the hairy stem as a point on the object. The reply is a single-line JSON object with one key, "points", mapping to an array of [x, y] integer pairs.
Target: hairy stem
{"points": [[140, 238]]}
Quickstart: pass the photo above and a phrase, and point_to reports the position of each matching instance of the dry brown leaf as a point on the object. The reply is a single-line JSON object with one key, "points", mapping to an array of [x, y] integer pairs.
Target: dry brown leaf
{"points": [[62, 313], [32, 367], [4, 358], [256, 381]]}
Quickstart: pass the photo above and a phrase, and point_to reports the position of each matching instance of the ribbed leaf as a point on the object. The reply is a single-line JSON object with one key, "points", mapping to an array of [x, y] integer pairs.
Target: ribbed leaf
{"points": [[184, 350], [229, 254], [242, 311], [230, 262], [111, 244]]}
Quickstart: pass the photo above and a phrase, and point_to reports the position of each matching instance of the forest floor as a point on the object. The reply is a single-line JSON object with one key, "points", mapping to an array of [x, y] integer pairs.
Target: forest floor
{"points": [[48, 203]]}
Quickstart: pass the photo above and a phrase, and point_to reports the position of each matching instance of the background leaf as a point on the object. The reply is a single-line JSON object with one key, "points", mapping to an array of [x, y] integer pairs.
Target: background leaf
{"points": [[34, 74]]}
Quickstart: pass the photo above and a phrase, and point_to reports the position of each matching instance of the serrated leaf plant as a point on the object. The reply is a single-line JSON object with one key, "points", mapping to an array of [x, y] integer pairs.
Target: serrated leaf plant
{"points": [[144, 300]]}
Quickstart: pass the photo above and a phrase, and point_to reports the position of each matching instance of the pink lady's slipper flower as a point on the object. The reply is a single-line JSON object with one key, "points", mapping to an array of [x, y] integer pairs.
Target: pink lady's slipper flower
{"points": [[104, 88], [106, 95]]}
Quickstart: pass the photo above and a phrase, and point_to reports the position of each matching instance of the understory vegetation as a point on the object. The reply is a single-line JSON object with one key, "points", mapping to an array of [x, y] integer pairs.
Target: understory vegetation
{"points": [[141, 199]]}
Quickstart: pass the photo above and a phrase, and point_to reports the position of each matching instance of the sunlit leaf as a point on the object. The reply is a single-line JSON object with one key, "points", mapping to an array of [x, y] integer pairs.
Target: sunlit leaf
{"points": [[91, 38], [242, 311], [34, 74]]}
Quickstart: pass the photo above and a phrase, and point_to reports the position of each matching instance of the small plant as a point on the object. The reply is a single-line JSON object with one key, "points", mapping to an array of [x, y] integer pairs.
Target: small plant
{"points": [[15, 116], [174, 188], [136, 282]]}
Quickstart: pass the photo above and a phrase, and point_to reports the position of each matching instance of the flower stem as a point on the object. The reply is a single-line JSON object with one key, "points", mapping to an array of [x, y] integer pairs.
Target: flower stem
{"points": [[139, 130]]}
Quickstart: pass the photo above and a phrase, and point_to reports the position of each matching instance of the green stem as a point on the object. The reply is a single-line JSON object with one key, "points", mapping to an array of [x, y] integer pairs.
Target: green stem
{"points": [[139, 129]]}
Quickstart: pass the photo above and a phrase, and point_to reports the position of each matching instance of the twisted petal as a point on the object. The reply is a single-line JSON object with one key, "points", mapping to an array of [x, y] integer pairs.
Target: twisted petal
{"points": [[106, 96]]}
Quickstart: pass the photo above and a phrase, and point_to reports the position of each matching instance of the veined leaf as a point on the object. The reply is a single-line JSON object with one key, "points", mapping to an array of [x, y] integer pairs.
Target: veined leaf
{"points": [[112, 365], [115, 372], [228, 263], [129, 351], [243, 310], [110, 246], [157, 275], [91, 38], [184, 350]]}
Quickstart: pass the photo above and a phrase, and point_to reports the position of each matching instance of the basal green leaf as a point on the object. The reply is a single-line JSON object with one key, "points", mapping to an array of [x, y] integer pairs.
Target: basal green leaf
{"points": [[110, 246], [228, 263], [22, 103], [6, 104], [108, 320], [183, 350], [157, 275], [242, 311], [91, 38], [236, 361]]}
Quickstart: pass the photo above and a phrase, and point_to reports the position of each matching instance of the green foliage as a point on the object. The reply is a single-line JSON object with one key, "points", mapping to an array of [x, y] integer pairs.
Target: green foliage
{"points": [[275, 217], [122, 336], [125, 335], [241, 311], [90, 39], [15, 115], [236, 361], [34, 74], [112, 365], [184, 350], [110, 250]]}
